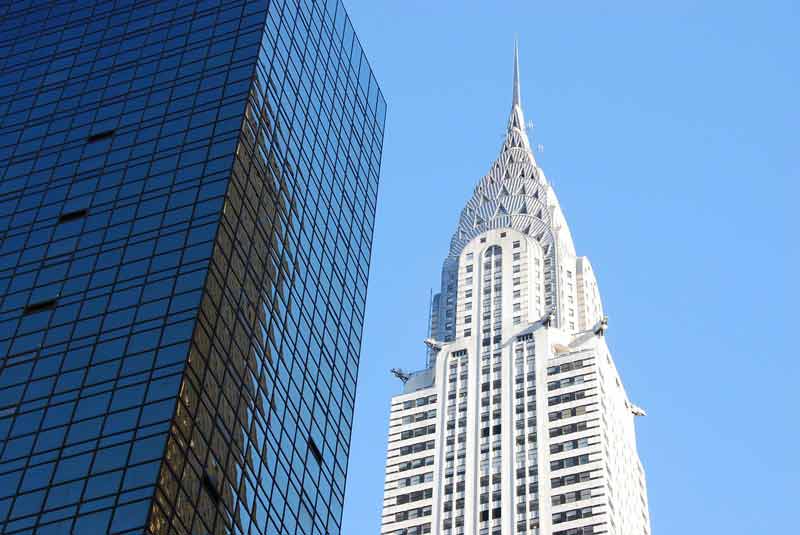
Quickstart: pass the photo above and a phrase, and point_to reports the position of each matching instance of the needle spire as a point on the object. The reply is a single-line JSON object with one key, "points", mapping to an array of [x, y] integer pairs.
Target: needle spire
{"points": [[516, 101]]}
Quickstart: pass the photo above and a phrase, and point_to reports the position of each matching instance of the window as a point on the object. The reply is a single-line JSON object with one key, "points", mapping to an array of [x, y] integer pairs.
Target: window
{"points": [[570, 479], [568, 413], [416, 448], [584, 530], [40, 306], [210, 486], [494, 250], [418, 432], [569, 445], [569, 462], [73, 215], [569, 381], [415, 480], [410, 515], [312, 447], [419, 402], [566, 398], [568, 429], [574, 514], [414, 496], [567, 366], [100, 136], [420, 416]]}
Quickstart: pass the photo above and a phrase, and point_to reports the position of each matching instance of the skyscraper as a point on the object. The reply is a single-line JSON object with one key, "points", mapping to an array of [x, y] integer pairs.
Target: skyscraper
{"points": [[187, 194], [519, 423]]}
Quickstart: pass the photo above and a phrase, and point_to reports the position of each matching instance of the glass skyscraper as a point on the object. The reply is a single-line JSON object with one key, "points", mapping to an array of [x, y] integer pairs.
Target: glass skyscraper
{"points": [[187, 193]]}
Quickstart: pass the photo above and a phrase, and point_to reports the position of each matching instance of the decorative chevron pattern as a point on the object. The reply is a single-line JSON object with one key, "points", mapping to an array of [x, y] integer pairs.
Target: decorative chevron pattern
{"points": [[513, 194]]}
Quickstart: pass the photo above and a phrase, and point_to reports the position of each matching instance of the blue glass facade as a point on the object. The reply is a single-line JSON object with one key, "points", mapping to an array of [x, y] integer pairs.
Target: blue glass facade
{"points": [[187, 192]]}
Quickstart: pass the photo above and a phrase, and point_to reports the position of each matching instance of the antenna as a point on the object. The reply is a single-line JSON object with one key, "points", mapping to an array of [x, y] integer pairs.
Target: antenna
{"points": [[540, 148]]}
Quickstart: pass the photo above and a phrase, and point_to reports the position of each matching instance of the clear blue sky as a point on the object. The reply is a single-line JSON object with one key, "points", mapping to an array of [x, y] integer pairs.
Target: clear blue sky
{"points": [[670, 132]]}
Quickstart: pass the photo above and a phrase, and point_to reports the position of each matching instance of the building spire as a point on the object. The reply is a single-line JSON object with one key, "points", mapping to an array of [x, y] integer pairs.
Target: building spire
{"points": [[517, 120], [516, 101]]}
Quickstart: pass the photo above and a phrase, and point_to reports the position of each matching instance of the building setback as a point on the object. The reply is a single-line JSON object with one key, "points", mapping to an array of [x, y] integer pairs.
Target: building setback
{"points": [[187, 196], [519, 424]]}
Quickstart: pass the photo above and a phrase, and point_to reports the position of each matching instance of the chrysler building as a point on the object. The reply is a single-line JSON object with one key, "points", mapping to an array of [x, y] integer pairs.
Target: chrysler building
{"points": [[519, 423]]}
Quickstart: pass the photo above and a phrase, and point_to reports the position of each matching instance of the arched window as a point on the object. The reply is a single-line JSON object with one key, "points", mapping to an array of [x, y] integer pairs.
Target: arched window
{"points": [[494, 250]]}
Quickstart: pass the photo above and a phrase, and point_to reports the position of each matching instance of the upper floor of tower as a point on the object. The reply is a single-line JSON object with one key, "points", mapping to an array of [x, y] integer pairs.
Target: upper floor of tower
{"points": [[515, 198]]}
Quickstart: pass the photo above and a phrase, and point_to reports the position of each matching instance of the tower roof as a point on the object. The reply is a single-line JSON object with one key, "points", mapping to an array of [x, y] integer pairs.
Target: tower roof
{"points": [[514, 193]]}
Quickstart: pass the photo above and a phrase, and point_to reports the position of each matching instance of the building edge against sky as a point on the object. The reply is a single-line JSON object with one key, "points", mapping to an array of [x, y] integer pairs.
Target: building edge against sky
{"points": [[187, 197], [519, 423]]}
